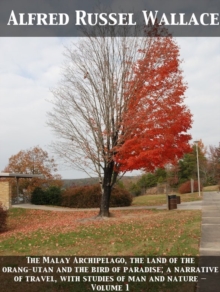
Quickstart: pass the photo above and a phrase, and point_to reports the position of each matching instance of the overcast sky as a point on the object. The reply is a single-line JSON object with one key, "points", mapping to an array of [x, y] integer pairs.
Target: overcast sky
{"points": [[30, 67]]}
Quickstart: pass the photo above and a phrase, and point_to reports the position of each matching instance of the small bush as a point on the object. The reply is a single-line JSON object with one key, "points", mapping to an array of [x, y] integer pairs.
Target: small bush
{"points": [[90, 197], [50, 196], [38, 196], [82, 197], [186, 187], [120, 198], [3, 218], [135, 189], [53, 196]]}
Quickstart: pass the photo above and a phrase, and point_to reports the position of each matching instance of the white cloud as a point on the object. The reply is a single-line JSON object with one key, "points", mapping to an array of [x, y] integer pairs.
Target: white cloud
{"points": [[30, 67], [201, 70]]}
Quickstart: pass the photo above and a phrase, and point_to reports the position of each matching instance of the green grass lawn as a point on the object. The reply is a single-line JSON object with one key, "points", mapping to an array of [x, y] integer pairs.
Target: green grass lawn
{"points": [[129, 232], [126, 233], [211, 188], [156, 200]]}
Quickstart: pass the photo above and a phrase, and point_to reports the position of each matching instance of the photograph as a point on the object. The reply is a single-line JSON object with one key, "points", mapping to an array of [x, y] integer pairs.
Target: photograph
{"points": [[109, 146]]}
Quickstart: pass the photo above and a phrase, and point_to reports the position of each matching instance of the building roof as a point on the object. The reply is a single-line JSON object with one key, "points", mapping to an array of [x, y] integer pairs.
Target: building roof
{"points": [[19, 175]]}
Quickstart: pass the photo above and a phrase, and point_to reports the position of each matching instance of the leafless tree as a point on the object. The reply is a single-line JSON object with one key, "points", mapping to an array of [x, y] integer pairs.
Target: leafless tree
{"points": [[89, 105], [104, 99]]}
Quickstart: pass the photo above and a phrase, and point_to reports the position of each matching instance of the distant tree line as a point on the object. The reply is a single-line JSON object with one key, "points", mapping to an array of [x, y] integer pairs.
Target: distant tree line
{"points": [[36, 160], [184, 170]]}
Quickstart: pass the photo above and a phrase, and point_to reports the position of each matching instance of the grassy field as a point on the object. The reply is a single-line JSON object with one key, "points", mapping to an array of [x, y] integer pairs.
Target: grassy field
{"points": [[125, 233], [156, 200], [210, 188], [133, 232]]}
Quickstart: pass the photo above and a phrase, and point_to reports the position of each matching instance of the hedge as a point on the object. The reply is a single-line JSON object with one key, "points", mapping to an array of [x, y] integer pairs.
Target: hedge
{"points": [[186, 187], [50, 196], [90, 197], [3, 218]]}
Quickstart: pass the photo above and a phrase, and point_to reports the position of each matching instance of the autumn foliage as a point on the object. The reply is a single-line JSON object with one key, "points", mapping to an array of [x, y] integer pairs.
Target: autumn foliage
{"points": [[120, 107], [214, 164], [90, 197], [186, 187], [156, 120], [34, 161]]}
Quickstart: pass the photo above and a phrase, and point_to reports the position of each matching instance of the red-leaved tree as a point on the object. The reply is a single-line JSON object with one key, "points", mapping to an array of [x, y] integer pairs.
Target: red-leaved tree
{"points": [[156, 120], [120, 107]]}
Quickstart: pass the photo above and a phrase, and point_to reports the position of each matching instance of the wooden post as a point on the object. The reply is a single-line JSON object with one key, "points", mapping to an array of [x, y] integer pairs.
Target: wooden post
{"points": [[17, 185], [192, 186]]}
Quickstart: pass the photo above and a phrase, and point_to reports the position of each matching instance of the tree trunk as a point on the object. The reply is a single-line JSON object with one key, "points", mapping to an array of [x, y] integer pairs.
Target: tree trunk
{"points": [[106, 191], [105, 200]]}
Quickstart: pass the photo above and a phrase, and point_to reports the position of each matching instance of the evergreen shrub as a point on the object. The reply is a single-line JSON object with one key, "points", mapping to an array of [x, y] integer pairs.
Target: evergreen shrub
{"points": [[53, 196], [38, 196], [50, 196]]}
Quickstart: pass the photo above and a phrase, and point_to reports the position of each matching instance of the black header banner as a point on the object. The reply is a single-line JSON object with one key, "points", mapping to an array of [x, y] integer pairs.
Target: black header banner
{"points": [[70, 18]]}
